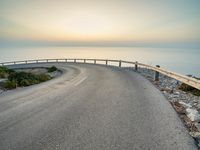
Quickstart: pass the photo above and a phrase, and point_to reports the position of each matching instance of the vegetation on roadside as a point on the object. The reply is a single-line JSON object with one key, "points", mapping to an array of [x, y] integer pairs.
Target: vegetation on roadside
{"points": [[21, 79], [10, 84], [18, 79], [4, 72], [190, 89], [52, 69]]}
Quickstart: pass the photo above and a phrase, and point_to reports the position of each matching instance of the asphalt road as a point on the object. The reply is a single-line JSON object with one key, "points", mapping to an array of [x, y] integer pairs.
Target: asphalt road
{"points": [[90, 107]]}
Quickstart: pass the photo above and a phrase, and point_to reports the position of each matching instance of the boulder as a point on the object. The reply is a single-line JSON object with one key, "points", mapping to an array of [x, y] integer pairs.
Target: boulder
{"points": [[193, 114]]}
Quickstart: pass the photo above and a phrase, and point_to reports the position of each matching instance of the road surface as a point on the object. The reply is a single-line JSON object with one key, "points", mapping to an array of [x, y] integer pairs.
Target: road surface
{"points": [[90, 107]]}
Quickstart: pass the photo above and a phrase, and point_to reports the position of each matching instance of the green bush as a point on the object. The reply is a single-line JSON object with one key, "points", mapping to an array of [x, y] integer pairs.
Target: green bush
{"points": [[52, 69], [24, 82], [188, 88], [43, 77], [10, 84], [22, 78], [3, 69], [4, 72], [26, 79], [19, 76]]}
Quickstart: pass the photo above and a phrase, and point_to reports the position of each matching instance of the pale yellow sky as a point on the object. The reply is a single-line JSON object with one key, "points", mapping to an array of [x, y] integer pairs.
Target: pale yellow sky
{"points": [[94, 20]]}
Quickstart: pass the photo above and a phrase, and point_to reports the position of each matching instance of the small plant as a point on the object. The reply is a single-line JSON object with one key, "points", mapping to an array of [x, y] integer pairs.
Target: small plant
{"points": [[188, 88], [52, 69], [10, 84], [3, 69], [3, 75], [25, 82], [4, 72], [43, 77]]}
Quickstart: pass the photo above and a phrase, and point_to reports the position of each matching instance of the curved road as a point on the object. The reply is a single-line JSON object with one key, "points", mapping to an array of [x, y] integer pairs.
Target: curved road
{"points": [[90, 107]]}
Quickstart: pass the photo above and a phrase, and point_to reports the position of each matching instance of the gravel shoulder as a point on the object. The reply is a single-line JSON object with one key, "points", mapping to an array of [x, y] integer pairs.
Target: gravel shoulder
{"points": [[186, 104]]}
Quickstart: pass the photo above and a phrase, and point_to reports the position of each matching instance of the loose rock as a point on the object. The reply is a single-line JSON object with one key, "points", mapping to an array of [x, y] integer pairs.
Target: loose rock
{"points": [[186, 104]]}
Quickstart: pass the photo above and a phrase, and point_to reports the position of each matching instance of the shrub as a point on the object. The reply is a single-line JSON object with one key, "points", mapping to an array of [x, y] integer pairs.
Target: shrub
{"points": [[22, 78], [26, 79], [19, 76], [43, 77], [4, 72], [3, 75], [188, 88], [3, 69], [10, 71], [10, 84], [24, 82], [52, 69]]}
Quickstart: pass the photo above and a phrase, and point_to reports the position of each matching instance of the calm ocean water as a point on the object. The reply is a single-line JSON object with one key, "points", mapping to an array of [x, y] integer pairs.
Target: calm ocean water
{"points": [[184, 61]]}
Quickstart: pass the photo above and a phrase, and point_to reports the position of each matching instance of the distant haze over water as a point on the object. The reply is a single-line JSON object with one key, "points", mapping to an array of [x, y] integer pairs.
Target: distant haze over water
{"points": [[184, 61]]}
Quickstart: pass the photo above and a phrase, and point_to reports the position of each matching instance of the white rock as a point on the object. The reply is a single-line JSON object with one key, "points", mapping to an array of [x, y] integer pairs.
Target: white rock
{"points": [[193, 114], [195, 134], [185, 104], [177, 93]]}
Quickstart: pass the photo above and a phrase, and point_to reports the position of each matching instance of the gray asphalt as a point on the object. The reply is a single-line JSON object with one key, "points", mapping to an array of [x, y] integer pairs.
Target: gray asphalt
{"points": [[90, 107]]}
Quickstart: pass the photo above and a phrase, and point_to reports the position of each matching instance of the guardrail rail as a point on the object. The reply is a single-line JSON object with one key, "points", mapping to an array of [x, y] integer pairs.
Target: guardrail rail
{"points": [[182, 78]]}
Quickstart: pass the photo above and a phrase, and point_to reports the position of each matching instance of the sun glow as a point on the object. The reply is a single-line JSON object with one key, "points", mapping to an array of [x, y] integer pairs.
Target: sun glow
{"points": [[112, 20]]}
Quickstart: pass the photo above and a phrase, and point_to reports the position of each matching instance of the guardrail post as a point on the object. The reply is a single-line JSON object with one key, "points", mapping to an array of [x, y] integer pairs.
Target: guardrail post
{"points": [[84, 61], [56, 60], [36, 61], [106, 62], [157, 74], [65, 60], [94, 61], [74, 60], [26, 61], [120, 63], [47, 60], [136, 66], [14, 62]]}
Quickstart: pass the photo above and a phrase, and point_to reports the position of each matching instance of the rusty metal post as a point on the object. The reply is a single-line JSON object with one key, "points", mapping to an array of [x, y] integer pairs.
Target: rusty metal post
{"points": [[157, 74], [120, 63], [136, 66]]}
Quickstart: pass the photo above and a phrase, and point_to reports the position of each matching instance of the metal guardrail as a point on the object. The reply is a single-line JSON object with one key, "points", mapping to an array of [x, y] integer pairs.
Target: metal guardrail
{"points": [[184, 79]]}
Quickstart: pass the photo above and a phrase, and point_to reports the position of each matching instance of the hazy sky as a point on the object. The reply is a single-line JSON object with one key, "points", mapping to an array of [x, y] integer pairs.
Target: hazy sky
{"points": [[100, 20]]}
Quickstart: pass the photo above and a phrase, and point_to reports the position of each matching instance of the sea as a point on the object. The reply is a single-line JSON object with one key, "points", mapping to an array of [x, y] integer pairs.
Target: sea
{"points": [[183, 61]]}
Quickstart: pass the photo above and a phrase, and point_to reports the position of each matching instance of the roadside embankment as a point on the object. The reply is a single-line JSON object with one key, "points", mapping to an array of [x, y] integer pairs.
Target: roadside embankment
{"points": [[186, 103], [22, 77]]}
